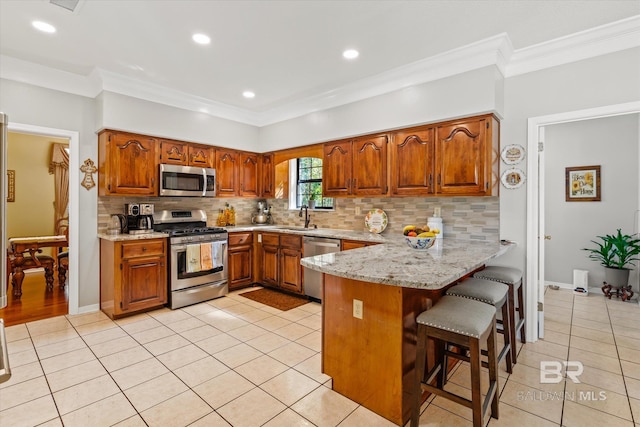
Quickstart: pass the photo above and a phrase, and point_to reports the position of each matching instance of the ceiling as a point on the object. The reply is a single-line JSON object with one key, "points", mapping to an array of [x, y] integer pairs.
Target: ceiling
{"points": [[284, 51]]}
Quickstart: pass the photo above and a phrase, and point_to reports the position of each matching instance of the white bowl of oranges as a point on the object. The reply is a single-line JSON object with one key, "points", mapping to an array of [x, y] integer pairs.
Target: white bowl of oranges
{"points": [[419, 237]]}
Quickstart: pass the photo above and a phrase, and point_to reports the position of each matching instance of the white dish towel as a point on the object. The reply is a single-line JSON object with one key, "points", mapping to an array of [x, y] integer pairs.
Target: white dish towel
{"points": [[216, 254]]}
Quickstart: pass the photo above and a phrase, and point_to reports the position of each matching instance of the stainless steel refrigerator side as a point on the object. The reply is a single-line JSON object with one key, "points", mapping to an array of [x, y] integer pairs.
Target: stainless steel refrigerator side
{"points": [[3, 208]]}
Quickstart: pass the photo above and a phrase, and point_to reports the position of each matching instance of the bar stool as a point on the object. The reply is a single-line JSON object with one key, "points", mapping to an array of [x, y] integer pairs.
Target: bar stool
{"points": [[511, 277], [496, 294], [466, 323]]}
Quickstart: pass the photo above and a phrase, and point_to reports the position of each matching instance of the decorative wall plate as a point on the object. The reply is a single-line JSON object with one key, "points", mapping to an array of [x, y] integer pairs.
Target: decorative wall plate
{"points": [[376, 220], [513, 178], [512, 154]]}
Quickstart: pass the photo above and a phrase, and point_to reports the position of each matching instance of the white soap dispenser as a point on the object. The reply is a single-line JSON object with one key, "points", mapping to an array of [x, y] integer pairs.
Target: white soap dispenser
{"points": [[435, 222]]}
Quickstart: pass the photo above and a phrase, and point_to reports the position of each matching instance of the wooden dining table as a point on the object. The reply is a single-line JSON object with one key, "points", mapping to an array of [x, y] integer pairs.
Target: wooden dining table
{"points": [[25, 252]]}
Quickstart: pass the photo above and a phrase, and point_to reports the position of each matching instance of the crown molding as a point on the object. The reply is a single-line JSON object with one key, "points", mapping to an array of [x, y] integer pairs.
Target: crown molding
{"points": [[494, 51], [597, 41], [51, 78], [117, 83], [491, 51]]}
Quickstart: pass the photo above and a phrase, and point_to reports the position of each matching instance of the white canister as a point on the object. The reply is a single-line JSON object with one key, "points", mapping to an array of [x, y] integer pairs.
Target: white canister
{"points": [[435, 223]]}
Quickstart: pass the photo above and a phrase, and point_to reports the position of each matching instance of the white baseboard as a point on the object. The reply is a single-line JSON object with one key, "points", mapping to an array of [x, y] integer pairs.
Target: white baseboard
{"points": [[88, 308], [559, 284]]}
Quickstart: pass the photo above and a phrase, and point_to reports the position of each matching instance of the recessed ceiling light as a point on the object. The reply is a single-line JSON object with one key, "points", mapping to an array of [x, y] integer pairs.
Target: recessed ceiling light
{"points": [[201, 38], [44, 27], [248, 94], [350, 54]]}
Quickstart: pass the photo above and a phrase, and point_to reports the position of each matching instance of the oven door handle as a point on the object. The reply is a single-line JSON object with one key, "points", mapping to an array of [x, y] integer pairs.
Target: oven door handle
{"points": [[180, 248]]}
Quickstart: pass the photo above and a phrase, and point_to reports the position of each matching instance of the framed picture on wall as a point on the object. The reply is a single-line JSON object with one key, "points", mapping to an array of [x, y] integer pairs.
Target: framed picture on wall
{"points": [[582, 184]]}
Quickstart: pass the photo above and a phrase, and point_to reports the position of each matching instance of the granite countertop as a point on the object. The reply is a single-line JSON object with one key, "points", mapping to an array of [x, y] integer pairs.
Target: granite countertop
{"points": [[395, 263], [125, 237], [363, 236]]}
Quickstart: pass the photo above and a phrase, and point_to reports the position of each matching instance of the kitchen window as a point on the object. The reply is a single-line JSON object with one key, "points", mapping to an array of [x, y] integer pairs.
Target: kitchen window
{"points": [[307, 174]]}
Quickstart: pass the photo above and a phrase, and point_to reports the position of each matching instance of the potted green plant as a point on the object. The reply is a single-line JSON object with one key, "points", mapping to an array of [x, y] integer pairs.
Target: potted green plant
{"points": [[617, 253]]}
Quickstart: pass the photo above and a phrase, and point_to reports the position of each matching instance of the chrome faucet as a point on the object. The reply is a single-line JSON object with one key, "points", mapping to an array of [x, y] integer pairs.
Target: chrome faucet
{"points": [[307, 217]]}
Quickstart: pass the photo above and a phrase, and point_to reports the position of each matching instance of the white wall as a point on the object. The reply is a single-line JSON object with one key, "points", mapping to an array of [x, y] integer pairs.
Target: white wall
{"points": [[613, 143], [466, 94], [31, 105], [605, 80], [122, 112]]}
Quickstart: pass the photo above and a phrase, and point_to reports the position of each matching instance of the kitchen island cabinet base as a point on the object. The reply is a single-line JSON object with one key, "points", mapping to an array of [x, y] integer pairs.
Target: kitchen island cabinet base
{"points": [[372, 360]]}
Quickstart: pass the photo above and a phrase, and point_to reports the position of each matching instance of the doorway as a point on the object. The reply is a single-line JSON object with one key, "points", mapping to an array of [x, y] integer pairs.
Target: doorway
{"points": [[39, 191], [74, 185], [535, 203]]}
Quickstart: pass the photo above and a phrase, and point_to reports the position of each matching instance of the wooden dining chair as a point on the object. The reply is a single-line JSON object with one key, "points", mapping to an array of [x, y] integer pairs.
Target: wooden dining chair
{"points": [[29, 259], [62, 228]]}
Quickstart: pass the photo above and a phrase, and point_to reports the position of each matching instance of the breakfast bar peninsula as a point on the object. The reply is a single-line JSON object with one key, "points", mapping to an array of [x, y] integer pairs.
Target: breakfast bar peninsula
{"points": [[370, 300]]}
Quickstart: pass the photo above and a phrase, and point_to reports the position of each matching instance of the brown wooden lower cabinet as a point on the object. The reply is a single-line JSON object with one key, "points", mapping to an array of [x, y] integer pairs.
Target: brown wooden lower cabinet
{"points": [[240, 261], [354, 244], [133, 276], [372, 360], [280, 261]]}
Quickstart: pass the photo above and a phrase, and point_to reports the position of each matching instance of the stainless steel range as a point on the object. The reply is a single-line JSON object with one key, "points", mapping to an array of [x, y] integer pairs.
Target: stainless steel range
{"points": [[198, 257]]}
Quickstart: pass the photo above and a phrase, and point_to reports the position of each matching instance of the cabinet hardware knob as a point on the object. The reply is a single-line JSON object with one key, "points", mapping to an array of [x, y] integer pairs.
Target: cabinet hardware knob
{"points": [[144, 249]]}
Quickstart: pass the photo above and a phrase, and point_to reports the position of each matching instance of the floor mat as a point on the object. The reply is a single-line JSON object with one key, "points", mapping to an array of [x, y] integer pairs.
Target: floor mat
{"points": [[275, 299]]}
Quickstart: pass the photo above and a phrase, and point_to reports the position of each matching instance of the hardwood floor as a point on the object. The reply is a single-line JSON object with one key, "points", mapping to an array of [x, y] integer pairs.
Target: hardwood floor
{"points": [[36, 302]]}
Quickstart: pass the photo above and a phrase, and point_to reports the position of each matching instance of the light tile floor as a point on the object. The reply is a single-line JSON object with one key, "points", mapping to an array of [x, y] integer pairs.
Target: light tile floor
{"points": [[233, 361]]}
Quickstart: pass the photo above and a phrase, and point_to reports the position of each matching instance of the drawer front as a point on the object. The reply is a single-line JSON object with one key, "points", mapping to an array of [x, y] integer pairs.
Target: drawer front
{"points": [[271, 239], [290, 241], [238, 239], [143, 248]]}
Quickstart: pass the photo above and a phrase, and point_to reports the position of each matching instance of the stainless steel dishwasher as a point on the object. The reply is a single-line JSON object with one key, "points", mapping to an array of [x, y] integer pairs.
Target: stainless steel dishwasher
{"points": [[317, 246]]}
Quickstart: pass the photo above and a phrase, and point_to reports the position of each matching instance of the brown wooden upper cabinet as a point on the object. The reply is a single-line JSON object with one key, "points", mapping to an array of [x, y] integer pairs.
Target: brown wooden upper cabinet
{"points": [[268, 174], [249, 172], [237, 173], [227, 172], [202, 155], [355, 167], [412, 162], [186, 154], [174, 152], [127, 164], [452, 158], [467, 157]]}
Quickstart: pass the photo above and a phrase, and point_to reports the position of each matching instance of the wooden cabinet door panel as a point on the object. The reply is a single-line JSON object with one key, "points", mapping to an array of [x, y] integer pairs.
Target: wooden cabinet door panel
{"points": [[227, 172], [370, 166], [173, 152], [202, 155], [144, 283], [291, 270], [134, 161], [240, 266], [461, 158], [336, 169], [249, 168], [270, 274], [412, 163], [268, 175]]}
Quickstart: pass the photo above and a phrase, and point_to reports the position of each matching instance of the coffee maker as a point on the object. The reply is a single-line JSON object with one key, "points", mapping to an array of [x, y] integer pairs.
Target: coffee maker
{"points": [[139, 218]]}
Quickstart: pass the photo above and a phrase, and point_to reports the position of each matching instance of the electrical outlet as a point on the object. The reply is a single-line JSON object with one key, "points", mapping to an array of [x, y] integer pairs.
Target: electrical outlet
{"points": [[437, 211], [357, 308], [357, 210], [259, 238]]}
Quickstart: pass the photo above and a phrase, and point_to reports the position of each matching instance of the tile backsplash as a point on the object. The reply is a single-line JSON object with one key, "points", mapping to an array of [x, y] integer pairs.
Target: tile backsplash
{"points": [[464, 217]]}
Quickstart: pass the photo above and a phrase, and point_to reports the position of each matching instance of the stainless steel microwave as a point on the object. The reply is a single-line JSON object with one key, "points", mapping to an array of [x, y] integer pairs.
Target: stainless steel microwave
{"points": [[187, 181]]}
